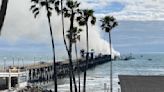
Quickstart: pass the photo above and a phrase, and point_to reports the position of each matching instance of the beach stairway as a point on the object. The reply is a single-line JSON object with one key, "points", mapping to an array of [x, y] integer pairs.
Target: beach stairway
{"points": [[138, 83]]}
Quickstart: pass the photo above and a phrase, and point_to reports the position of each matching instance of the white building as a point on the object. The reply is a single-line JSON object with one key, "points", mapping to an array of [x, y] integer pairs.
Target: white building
{"points": [[13, 78]]}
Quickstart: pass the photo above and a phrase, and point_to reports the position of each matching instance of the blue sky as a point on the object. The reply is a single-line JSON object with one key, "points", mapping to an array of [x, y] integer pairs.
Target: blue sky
{"points": [[139, 37], [24, 34], [129, 9], [112, 7]]}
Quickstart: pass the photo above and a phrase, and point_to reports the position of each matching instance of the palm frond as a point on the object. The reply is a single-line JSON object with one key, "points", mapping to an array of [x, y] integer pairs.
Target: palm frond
{"points": [[65, 9], [77, 4], [80, 30], [35, 15], [35, 9], [32, 7], [50, 8], [107, 29], [57, 10], [74, 30], [67, 14], [35, 1], [93, 20], [79, 11], [70, 4], [78, 37], [90, 12], [102, 26], [82, 23], [43, 3], [57, 3], [78, 18], [115, 24], [108, 23], [52, 1]]}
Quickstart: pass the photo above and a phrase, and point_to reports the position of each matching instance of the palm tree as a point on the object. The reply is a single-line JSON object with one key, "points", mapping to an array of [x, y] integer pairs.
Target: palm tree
{"points": [[38, 4], [63, 12], [76, 37], [69, 11], [108, 23], [3, 10], [83, 21]]}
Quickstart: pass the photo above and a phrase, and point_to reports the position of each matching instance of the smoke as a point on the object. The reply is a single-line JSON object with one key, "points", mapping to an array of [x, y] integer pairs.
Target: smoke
{"points": [[96, 42]]}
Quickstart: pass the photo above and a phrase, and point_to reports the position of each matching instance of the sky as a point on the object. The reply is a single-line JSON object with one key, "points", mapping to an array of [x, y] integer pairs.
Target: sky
{"points": [[129, 9], [24, 34]]}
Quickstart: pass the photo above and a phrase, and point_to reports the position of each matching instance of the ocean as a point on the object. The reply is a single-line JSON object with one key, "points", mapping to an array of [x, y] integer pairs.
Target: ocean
{"points": [[143, 64]]}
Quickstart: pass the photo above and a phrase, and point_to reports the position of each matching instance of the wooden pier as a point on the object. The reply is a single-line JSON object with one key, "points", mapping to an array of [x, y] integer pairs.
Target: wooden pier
{"points": [[43, 71]]}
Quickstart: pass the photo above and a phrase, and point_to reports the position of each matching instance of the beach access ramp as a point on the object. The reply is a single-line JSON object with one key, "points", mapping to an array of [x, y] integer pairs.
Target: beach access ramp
{"points": [[138, 83]]}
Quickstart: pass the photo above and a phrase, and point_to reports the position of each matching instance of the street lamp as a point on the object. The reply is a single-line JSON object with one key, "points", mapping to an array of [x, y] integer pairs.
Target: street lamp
{"points": [[13, 61], [23, 61], [4, 62], [18, 63], [34, 60]]}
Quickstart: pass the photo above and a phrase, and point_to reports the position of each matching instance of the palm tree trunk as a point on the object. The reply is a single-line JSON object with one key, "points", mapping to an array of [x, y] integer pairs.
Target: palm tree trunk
{"points": [[78, 68], [87, 58], [70, 57], [70, 75], [54, 58], [53, 48], [70, 51], [65, 43], [111, 72], [3, 12], [72, 72]]}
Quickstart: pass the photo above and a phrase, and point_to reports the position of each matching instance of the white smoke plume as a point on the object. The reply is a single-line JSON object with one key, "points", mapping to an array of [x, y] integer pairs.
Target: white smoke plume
{"points": [[96, 42]]}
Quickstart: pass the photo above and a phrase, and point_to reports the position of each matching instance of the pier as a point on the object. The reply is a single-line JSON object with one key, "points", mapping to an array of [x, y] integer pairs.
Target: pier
{"points": [[43, 71]]}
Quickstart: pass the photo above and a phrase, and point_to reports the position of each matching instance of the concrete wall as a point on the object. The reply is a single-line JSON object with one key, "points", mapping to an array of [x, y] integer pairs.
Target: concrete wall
{"points": [[138, 83]]}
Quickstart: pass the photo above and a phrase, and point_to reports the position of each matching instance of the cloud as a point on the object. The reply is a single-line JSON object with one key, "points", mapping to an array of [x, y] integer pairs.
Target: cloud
{"points": [[133, 9]]}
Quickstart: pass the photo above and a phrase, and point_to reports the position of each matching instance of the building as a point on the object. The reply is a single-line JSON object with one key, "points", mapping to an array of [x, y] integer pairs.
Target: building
{"points": [[13, 78]]}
